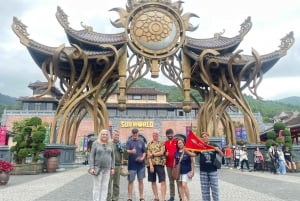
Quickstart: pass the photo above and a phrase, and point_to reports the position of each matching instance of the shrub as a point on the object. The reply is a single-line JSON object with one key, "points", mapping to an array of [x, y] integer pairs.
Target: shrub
{"points": [[286, 133], [278, 126], [271, 135], [269, 142], [288, 139], [29, 140], [279, 140], [241, 142]]}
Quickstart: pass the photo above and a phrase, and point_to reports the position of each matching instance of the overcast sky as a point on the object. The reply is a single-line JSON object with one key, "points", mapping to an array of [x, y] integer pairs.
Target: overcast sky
{"points": [[272, 20]]}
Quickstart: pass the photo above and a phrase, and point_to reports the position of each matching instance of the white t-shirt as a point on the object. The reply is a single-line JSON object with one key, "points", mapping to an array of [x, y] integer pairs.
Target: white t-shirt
{"points": [[237, 154], [243, 155], [280, 156], [271, 151]]}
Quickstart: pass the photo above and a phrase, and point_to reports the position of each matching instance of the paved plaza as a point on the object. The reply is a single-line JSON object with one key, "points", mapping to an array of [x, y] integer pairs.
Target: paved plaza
{"points": [[76, 185]]}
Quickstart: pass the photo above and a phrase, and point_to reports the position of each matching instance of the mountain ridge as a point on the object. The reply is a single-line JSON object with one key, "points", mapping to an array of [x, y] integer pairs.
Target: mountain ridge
{"points": [[7, 100], [293, 100]]}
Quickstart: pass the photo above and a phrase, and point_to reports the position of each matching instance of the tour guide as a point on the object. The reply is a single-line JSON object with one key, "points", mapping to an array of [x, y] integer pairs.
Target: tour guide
{"points": [[208, 171]]}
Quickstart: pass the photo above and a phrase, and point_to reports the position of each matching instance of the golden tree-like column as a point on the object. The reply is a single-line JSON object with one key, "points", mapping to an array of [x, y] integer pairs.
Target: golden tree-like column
{"points": [[85, 90], [222, 89]]}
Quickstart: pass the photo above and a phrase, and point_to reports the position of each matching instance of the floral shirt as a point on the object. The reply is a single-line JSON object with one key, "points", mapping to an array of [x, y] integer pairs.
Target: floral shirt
{"points": [[154, 147]]}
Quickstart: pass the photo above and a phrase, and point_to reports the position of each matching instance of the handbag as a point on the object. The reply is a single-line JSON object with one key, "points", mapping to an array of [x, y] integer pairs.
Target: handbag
{"points": [[176, 172], [176, 169], [218, 161], [96, 173]]}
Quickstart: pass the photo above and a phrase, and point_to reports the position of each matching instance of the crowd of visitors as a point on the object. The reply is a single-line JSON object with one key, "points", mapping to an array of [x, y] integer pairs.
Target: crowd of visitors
{"points": [[278, 159]]}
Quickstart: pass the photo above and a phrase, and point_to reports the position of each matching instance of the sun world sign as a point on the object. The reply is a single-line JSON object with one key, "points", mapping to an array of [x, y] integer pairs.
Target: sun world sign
{"points": [[137, 124]]}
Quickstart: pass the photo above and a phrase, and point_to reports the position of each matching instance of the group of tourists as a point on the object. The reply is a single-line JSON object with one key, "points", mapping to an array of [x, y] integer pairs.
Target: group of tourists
{"points": [[158, 159], [280, 159], [238, 155]]}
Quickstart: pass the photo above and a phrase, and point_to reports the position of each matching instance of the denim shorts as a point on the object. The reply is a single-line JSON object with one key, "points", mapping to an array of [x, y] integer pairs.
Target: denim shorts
{"points": [[140, 174]]}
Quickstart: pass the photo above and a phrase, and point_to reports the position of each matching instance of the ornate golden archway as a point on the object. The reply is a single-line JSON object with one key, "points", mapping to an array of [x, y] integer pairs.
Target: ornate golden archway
{"points": [[154, 39]]}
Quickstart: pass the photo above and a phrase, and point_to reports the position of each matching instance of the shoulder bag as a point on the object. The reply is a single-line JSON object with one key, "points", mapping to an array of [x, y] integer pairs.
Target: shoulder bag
{"points": [[218, 161], [176, 169]]}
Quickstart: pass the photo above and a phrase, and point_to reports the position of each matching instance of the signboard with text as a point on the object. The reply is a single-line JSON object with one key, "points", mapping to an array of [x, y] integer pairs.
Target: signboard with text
{"points": [[137, 124]]}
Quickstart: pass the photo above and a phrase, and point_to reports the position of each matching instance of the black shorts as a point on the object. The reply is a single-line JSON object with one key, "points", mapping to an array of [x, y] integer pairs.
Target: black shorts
{"points": [[160, 171], [288, 160]]}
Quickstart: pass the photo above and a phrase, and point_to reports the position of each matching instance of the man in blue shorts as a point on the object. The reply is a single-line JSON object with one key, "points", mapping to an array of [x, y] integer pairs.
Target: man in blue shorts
{"points": [[136, 150]]}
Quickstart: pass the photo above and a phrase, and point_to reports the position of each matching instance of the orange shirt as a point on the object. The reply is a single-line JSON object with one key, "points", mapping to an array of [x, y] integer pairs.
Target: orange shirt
{"points": [[228, 152]]}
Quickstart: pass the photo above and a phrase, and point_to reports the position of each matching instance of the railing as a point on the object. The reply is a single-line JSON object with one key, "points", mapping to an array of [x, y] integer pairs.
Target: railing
{"points": [[29, 112]]}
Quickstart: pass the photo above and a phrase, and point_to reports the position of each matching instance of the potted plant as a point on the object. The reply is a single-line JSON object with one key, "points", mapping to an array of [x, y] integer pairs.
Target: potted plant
{"points": [[29, 140], [52, 153], [5, 169], [29, 143], [52, 161]]}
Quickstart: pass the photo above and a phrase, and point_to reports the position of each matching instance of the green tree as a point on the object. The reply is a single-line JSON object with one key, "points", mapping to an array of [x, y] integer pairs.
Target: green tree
{"points": [[29, 139], [271, 135], [278, 126]]}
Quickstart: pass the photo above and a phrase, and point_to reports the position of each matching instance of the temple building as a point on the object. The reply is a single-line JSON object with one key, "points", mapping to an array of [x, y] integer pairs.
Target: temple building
{"points": [[147, 108], [291, 121], [41, 99]]}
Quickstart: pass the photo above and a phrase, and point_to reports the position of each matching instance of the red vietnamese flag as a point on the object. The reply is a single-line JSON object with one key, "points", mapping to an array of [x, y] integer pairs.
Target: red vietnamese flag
{"points": [[194, 143]]}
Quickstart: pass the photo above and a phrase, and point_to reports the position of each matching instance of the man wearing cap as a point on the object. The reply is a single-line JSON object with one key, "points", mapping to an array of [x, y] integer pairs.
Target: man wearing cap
{"points": [[136, 150]]}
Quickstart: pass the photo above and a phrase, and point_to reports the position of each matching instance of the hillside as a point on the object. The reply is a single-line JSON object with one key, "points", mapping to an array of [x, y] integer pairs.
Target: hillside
{"points": [[268, 109], [7, 100], [293, 100], [174, 93]]}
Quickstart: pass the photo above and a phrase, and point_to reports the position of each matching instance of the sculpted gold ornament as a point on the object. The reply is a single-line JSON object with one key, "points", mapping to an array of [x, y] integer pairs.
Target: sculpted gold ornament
{"points": [[154, 32], [155, 29]]}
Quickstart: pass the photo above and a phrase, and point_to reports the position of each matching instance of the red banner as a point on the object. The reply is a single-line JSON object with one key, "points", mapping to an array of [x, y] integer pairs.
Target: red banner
{"points": [[194, 143]]}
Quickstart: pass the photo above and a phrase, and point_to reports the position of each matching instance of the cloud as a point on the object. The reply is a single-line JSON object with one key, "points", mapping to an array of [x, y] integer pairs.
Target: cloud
{"points": [[272, 20]]}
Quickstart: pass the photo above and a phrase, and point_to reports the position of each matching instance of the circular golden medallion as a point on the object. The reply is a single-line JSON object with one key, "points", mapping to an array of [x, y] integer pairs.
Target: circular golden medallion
{"points": [[155, 31]]}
